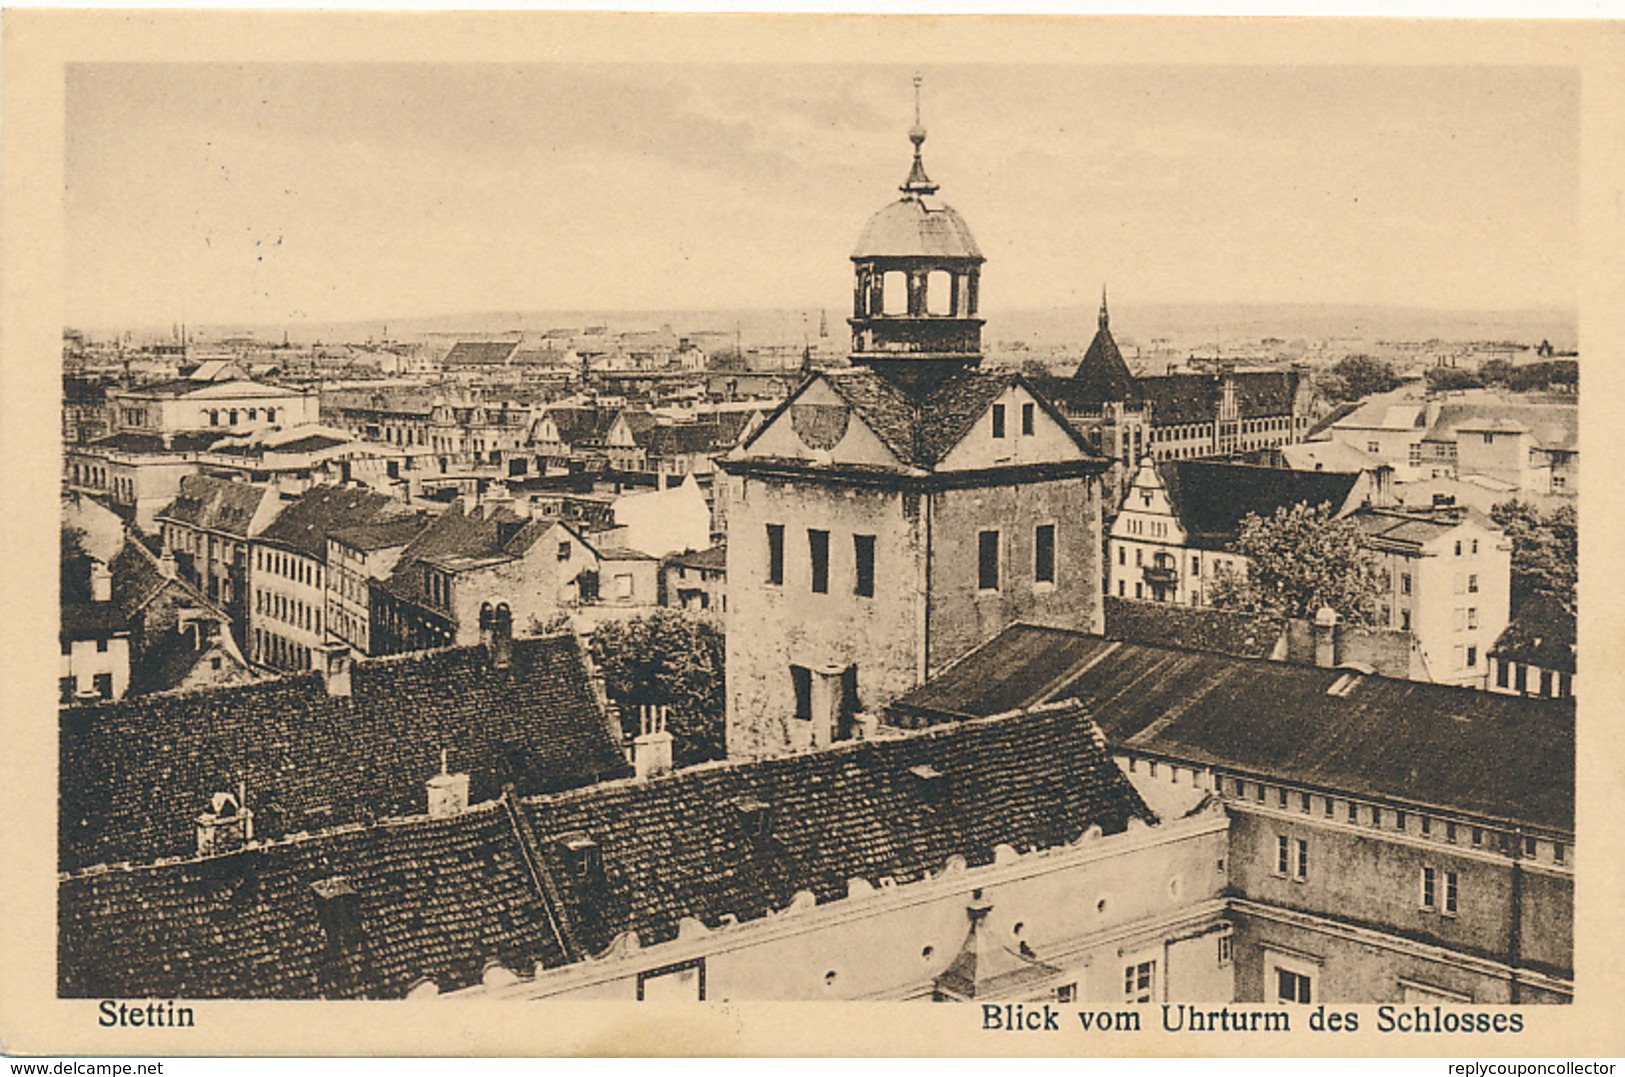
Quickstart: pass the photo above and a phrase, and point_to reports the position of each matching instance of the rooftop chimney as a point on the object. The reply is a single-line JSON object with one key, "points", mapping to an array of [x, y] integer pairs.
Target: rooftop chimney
{"points": [[651, 750], [448, 793], [101, 582], [166, 563], [1325, 634], [335, 667], [227, 825], [336, 905], [501, 638]]}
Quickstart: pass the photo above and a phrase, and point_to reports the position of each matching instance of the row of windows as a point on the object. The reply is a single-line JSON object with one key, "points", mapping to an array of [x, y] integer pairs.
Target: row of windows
{"points": [[1395, 819], [1515, 676], [290, 611], [271, 649], [67, 647], [289, 567], [1429, 899], [232, 416]]}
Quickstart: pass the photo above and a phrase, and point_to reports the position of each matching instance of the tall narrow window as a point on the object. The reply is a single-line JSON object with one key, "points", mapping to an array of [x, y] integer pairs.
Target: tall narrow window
{"points": [[998, 420], [1283, 854], [1044, 553], [801, 681], [775, 553], [1300, 869], [1429, 888], [1027, 416], [863, 553], [1451, 892], [987, 561], [818, 548]]}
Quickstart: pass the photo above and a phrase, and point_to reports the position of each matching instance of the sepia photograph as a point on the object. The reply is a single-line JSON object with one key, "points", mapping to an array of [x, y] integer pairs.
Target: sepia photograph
{"points": [[1093, 545]]}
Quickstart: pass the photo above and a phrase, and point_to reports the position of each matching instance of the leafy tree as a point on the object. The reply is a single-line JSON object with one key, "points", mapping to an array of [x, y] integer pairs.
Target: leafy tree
{"points": [[1448, 378], [1545, 551], [667, 659], [1355, 376], [1302, 558]]}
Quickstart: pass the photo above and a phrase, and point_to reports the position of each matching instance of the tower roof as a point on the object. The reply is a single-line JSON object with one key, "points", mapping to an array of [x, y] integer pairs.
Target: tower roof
{"points": [[1103, 375], [917, 225]]}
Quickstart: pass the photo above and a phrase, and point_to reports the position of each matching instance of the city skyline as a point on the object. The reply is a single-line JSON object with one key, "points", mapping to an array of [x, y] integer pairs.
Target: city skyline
{"points": [[293, 193]]}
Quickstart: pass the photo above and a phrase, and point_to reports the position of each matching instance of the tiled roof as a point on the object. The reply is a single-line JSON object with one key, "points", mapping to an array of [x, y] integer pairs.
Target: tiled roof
{"points": [[1541, 634], [713, 559], [920, 423], [135, 774], [1103, 375], [304, 524], [678, 846], [1415, 527], [91, 620], [130, 441], [435, 899], [1496, 756], [1245, 635], [481, 352], [213, 504], [1177, 399], [577, 425], [1550, 426], [1211, 497], [676, 439], [382, 534], [455, 535]]}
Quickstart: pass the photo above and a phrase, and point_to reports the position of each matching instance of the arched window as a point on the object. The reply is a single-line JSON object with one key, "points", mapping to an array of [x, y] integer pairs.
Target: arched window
{"points": [[233, 416], [894, 288], [939, 292], [214, 417]]}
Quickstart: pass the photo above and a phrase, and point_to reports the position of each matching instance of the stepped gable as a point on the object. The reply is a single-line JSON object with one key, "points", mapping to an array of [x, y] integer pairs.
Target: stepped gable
{"points": [[743, 840], [134, 774], [435, 899], [1504, 758]]}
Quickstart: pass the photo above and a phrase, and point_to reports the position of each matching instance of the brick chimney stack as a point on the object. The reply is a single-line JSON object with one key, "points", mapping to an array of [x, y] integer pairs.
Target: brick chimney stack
{"points": [[652, 749], [101, 582]]}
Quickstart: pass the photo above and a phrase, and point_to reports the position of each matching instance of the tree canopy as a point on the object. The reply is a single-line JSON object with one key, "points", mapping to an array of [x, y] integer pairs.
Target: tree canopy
{"points": [[1355, 376], [1302, 558], [1545, 551], [671, 659]]}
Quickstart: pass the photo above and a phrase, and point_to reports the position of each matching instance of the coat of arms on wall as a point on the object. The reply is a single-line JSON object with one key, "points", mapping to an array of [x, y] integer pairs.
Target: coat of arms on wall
{"points": [[819, 426]]}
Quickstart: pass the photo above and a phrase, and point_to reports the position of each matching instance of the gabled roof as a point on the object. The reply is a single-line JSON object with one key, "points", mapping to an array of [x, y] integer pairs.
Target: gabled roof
{"points": [[304, 524], [580, 424], [1212, 497], [676, 439], [1496, 756], [1550, 426], [1541, 634], [679, 846], [921, 421], [456, 538], [213, 504], [433, 898], [1415, 527], [135, 774], [481, 352]]}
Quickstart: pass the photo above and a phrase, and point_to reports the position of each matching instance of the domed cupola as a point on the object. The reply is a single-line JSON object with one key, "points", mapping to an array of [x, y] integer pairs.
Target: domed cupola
{"points": [[915, 286]]}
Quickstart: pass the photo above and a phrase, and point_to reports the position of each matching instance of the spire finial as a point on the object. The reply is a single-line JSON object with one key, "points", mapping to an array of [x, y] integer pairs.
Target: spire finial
{"points": [[918, 182], [1103, 317]]}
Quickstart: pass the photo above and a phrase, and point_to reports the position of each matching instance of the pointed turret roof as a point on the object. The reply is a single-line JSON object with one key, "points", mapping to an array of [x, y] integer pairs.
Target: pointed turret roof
{"points": [[1103, 374], [985, 967]]}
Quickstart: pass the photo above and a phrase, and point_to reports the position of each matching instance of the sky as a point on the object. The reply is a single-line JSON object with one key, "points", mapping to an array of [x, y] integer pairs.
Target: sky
{"points": [[295, 193]]}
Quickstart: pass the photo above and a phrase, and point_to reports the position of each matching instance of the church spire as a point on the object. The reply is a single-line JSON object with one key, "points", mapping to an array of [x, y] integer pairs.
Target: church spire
{"points": [[918, 182], [1103, 317]]}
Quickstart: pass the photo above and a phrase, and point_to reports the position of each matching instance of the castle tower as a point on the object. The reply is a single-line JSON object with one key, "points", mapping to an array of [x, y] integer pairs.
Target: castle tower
{"points": [[916, 274], [890, 516]]}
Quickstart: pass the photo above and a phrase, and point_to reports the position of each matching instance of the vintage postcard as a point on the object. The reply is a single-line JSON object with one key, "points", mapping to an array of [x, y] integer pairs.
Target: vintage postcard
{"points": [[587, 534]]}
